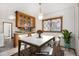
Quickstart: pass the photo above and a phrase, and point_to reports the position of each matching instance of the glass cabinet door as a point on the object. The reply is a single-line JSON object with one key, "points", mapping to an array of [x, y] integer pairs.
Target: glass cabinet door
{"points": [[32, 22], [29, 25], [21, 20]]}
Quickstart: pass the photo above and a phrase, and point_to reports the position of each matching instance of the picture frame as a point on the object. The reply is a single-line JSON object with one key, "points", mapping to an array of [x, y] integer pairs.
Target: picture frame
{"points": [[52, 24]]}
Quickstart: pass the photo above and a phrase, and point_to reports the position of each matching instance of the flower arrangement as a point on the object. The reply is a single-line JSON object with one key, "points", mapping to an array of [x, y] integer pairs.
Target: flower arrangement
{"points": [[39, 32]]}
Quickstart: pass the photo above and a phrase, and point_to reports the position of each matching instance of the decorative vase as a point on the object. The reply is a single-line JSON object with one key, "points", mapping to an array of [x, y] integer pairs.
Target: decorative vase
{"points": [[66, 45], [39, 35]]}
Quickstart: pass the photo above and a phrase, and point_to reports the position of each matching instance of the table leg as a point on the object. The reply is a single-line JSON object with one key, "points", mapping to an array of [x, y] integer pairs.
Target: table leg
{"points": [[25, 46], [39, 50], [19, 46]]}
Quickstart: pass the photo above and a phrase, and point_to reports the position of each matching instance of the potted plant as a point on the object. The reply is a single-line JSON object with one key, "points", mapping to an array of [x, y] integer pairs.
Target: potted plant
{"points": [[66, 37]]}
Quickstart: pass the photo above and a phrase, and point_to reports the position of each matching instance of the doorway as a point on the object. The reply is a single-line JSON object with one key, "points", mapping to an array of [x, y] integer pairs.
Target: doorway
{"points": [[7, 32], [7, 29]]}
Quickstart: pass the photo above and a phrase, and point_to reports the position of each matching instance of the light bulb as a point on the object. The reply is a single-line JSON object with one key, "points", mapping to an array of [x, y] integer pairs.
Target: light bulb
{"points": [[40, 17]]}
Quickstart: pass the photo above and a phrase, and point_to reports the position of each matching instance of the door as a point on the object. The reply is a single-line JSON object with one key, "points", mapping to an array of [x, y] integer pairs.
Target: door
{"points": [[7, 30]]}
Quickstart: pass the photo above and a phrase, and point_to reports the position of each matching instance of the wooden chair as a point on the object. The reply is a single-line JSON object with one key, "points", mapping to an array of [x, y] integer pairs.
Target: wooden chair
{"points": [[57, 48], [54, 50], [47, 50]]}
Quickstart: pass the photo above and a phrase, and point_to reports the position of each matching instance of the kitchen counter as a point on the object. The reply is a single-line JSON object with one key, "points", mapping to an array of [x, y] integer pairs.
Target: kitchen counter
{"points": [[16, 37]]}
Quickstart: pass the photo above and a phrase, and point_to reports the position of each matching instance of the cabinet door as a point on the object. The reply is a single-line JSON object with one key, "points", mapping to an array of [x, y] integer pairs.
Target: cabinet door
{"points": [[23, 21], [32, 22], [15, 41], [19, 20], [26, 24]]}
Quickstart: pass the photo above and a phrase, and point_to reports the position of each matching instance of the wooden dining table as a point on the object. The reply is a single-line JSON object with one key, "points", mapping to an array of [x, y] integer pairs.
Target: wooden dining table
{"points": [[34, 41]]}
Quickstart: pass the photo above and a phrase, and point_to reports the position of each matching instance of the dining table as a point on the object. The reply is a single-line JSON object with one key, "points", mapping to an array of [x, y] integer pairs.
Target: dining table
{"points": [[34, 41]]}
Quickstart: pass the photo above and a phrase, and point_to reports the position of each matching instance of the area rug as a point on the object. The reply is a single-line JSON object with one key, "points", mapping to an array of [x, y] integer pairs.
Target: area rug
{"points": [[26, 52]]}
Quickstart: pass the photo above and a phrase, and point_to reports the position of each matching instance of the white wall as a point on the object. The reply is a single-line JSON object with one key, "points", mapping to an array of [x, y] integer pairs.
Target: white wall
{"points": [[77, 29], [68, 20], [8, 9], [68, 17]]}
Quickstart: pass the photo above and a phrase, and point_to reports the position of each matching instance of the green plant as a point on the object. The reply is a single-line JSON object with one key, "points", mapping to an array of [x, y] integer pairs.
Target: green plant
{"points": [[66, 36]]}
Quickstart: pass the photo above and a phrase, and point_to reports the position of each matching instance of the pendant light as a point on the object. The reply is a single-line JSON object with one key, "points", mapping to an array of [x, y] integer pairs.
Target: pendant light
{"points": [[40, 16]]}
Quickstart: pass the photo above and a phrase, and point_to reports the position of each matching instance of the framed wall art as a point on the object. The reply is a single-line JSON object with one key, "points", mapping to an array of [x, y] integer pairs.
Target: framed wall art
{"points": [[52, 24]]}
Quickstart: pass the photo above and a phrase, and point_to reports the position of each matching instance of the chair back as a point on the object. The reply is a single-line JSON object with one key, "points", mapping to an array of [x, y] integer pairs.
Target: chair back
{"points": [[56, 47]]}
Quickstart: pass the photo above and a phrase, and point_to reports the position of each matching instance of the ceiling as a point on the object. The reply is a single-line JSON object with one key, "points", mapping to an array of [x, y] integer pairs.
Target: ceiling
{"points": [[7, 9]]}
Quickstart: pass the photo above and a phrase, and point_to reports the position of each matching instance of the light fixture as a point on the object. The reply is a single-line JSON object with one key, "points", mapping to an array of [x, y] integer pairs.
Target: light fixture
{"points": [[40, 16], [11, 17]]}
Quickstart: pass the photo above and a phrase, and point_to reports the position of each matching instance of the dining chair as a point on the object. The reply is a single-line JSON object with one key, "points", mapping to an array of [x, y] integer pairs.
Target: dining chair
{"points": [[24, 36], [52, 49], [57, 48], [46, 50]]}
